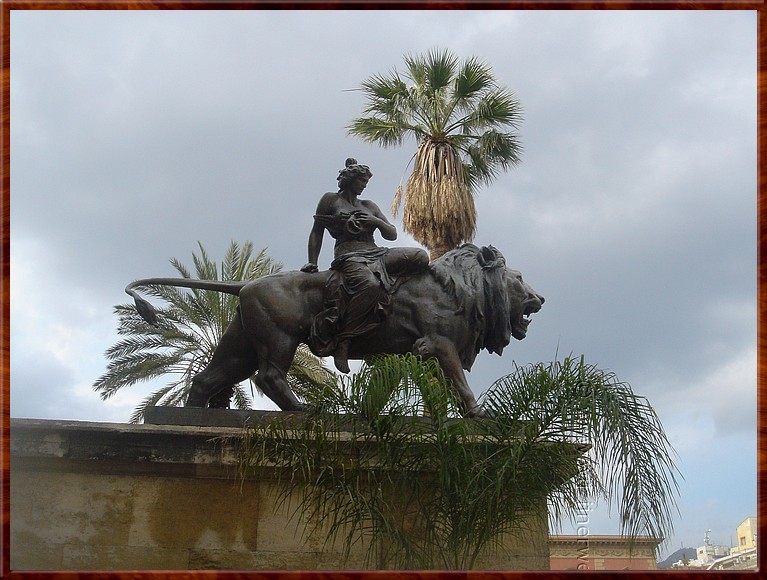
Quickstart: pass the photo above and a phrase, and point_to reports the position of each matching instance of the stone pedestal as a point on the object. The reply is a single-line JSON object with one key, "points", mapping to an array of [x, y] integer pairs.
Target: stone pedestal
{"points": [[103, 496]]}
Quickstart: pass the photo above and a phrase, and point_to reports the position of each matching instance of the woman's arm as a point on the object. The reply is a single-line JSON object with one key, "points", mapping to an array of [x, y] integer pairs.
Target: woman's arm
{"points": [[314, 247], [315, 236], [388, 231]]}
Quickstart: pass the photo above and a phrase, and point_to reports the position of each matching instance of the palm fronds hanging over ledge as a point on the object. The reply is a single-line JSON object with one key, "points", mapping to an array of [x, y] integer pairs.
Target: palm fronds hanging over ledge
{"points": [[385, 456]]}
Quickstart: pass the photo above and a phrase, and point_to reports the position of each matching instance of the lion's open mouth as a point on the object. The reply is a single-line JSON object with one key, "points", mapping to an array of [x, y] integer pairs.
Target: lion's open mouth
{"points": [[531, 306], [519, 330]]}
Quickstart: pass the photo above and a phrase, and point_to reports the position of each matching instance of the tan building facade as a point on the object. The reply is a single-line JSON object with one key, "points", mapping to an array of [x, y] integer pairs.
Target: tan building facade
{"points": [[746, 535], [592, 552]]}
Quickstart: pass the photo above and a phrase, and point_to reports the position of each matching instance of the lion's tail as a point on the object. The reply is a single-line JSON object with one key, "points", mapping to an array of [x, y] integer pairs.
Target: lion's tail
{"points": [[147, 311]]}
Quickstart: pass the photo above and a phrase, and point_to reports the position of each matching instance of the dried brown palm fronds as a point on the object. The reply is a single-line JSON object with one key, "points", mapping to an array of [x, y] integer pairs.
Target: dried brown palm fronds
{"points": [[439, 210]]}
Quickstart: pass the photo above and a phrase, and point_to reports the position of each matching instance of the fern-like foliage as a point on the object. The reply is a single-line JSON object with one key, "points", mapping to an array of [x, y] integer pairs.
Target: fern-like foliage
{"points": [[385, 457], [630, 462]]}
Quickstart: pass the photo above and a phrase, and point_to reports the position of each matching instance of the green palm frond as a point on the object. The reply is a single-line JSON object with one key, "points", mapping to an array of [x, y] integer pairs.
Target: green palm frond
{"points": [[177, 395], [241, 399], [495, 110], [128, 370], [307, 373], [472, 80], [386, 95], [133, 345], [440, 67], [416, 71], [181, 269], [204, 267], [152, 400], [381, 130], [189, 328], [489, 154], [631, 458]]}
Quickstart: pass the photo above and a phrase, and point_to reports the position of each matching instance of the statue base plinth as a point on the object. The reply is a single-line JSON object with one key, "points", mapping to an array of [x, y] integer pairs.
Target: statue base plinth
{"points": [[199, 417], [111, 496]]}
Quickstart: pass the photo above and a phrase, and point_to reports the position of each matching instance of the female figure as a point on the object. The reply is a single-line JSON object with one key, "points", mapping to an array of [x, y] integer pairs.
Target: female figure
{"points": [[357, 298]]}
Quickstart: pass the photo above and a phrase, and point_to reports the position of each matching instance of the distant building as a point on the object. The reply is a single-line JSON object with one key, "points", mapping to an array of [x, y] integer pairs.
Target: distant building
{"points": [[744, 556], [706, 554], [603, 553], [746, 535]]}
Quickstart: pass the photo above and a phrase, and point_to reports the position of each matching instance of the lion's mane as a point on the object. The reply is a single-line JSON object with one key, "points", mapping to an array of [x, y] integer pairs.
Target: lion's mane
{"points": [[475, 279]]}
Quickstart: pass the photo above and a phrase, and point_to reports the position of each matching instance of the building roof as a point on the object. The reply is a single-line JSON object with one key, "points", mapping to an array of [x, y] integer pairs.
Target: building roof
{"points": [[605, 539]]}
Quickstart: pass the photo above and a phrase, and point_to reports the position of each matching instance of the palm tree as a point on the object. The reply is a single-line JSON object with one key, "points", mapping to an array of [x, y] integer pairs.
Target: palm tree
{"points": [[460, 118], [429, 489], [187, 332]]}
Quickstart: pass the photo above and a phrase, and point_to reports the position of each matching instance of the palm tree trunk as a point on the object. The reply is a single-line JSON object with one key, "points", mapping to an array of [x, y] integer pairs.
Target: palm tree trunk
{"points": [[439, 250]]}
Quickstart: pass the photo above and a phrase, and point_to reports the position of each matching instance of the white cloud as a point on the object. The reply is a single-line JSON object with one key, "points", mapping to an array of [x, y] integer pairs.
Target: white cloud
{"points": [[59, 332], [721, 402]]}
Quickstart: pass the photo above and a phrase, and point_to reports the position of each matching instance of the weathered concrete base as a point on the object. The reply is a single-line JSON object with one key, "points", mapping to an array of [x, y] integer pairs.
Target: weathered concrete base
{"points": [[198, 417], [100, 496]]}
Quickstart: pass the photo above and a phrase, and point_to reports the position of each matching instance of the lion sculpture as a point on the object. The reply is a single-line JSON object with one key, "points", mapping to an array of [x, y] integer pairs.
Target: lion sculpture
{"points": [[467, 300]]}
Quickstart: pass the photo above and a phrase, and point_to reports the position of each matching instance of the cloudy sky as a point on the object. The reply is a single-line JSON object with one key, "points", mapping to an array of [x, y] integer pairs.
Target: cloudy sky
{"points": [[136, 134]]}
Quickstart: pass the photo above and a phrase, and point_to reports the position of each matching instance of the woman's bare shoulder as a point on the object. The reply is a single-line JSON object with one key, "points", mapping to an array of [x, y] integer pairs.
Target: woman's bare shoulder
{"points": [[327, 202]]}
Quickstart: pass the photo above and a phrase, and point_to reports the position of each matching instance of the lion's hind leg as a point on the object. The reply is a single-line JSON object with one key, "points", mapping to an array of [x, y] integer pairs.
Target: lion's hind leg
{"points": [[233, 361], [274, 362], [443, 350]]}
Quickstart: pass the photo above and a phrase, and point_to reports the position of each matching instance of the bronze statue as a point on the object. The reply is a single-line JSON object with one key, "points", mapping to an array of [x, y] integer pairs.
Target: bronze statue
{"points": [[463, 302], [358, 291]]}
